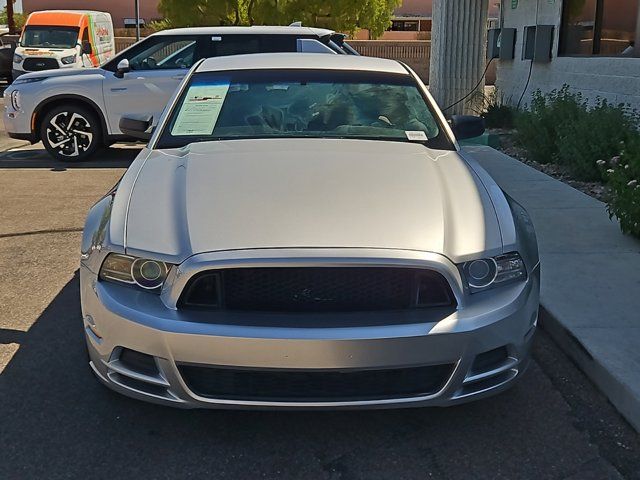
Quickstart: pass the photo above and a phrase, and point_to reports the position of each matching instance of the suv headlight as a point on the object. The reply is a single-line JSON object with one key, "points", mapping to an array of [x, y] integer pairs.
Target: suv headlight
{"points": [[69, 60], [486, 273], [141, 272], [17, 58], [15, 100]]}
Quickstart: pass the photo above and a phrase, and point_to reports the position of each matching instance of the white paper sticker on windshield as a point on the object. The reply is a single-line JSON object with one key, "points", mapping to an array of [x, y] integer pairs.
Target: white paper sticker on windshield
{"points": [[416, 135], [200, 110]]}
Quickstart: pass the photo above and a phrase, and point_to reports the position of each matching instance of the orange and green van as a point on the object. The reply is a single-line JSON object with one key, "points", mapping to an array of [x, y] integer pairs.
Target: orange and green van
{"points": [[53, 39]]}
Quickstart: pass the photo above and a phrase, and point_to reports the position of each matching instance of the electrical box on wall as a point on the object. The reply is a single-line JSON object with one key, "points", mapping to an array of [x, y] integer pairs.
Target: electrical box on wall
{"points": [[493, 43], [538, 41], [544, 43], [529, 43], [507, 43]]}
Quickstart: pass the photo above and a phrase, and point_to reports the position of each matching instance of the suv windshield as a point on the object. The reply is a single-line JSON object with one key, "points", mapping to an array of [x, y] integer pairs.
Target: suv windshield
{"points": [[301, 103], [52, 37]]}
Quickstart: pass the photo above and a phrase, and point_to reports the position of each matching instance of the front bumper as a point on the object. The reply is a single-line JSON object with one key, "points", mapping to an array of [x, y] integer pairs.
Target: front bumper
{"points": [[117, 317], [17, 123]]}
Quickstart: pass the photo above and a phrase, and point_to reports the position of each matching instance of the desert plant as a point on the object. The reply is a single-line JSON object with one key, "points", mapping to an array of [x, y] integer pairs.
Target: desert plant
{"points": [[622, 173], [592, 134], [562, 128], [497, 113], [538, 127]]}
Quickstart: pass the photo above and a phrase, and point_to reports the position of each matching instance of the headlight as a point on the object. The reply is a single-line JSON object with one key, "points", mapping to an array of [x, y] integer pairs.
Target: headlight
{"points": [[15, 99], [21, 80], [141, 272], [68, 60], [17, 58], [491, 272]]}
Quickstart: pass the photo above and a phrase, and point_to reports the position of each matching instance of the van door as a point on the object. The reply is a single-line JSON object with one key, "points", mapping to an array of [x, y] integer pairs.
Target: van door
{"points": [[158, 64], [102, 37]]}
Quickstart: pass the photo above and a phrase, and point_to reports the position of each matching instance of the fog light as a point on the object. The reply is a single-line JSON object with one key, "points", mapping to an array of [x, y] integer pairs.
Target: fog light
{"points": [[91, 325]]}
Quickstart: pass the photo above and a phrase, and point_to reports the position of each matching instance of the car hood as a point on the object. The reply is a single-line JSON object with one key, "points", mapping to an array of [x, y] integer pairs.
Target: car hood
{"points": [[62, 72], [288, 193]]}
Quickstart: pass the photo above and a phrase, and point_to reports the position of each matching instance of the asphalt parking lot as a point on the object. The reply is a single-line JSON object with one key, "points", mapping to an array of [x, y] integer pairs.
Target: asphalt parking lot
{"points": [[56, 421]]}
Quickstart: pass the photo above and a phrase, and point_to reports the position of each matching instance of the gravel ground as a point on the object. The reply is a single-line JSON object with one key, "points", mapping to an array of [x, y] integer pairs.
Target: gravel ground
{"points": [[509, 147]]}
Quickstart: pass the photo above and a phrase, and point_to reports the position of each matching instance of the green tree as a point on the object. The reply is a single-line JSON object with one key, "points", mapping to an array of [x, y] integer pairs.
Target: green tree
{"points": [[340, 15], [18, 18]]}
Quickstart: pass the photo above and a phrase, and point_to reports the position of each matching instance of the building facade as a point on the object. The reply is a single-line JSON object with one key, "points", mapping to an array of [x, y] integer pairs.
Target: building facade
{"points": [[122, 11], [590, 45]]}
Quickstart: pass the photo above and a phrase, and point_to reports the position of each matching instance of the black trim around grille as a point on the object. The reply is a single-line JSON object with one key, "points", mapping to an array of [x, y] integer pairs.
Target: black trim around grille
{"points": [[314, 385], [37, 64], [317, 289]]}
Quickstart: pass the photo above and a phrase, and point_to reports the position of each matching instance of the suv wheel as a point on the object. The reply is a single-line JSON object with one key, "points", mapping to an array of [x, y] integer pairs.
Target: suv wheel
{"points": [[70, 133]]}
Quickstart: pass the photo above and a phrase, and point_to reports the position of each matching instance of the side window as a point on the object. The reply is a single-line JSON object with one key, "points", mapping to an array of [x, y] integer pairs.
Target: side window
{"points": [[166, 53], [234, 45], [85, 35], [244, 44], [278, 43]]}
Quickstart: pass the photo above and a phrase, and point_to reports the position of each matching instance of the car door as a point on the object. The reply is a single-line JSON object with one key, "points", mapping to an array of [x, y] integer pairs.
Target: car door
{"points": [[158, 64]]}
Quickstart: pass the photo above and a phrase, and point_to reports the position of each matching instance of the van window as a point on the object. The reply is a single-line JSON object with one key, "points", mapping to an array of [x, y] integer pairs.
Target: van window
{"points": [[52, 37], [85, 35]]}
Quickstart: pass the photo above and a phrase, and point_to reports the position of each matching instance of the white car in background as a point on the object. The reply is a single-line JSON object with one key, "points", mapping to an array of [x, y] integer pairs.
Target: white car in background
{"points": [[74, 112]]}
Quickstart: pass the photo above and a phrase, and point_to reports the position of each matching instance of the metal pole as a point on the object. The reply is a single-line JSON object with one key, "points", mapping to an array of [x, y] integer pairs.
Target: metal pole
{"points": [[137, 5]]}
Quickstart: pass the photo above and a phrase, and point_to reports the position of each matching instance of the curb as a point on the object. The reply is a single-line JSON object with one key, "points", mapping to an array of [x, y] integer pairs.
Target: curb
{"points": [[611, 387], [10, 144]]}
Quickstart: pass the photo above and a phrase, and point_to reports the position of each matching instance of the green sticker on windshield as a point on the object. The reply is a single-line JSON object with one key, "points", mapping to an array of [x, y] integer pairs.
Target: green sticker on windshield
{"points": [[200, 110]]}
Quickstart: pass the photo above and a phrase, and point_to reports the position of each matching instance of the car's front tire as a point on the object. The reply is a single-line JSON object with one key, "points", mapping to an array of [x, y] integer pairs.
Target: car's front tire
{"points": [[71, 133]]}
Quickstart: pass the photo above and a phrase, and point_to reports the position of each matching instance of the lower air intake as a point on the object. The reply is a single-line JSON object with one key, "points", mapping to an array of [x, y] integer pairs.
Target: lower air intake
{"points": [[314, 385]]}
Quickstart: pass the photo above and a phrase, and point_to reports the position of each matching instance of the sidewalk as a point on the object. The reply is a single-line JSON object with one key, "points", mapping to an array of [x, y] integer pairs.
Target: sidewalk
{"points": [[590, 290]]}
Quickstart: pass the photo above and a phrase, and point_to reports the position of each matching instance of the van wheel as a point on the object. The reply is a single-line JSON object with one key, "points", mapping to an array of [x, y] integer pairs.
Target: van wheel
{"points": [[70, 133]]}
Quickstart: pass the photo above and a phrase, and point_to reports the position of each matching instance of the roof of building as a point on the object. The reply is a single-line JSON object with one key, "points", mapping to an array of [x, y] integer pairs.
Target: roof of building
{"points": [[260, 61], [256, 29]]}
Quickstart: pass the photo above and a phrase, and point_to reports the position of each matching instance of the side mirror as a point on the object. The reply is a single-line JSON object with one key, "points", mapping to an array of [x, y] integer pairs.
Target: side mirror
{"points": [[467, 126], [122, 68], [136, 127], [86, 48]]}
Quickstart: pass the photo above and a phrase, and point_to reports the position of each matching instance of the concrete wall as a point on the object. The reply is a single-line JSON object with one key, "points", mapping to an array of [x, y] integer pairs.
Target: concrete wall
{"points": [[616, 79]]}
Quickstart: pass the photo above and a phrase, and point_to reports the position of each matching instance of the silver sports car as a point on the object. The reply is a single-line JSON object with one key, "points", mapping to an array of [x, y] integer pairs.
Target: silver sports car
{"points": [[303, 231]]}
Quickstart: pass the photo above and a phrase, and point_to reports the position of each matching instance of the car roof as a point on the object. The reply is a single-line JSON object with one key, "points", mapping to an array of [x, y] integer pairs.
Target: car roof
{"points": [[316, 61], [253, 30]]}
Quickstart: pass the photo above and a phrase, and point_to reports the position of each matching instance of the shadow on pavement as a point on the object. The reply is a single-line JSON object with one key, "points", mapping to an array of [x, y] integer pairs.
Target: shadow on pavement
{"points": [[58, 421], [33, 157]]}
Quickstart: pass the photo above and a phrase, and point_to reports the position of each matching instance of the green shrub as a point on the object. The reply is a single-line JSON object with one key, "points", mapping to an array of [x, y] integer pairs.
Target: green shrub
{"points": [[496, 112], [561, 128], [593, 134], [622, 173], [539, 127]]}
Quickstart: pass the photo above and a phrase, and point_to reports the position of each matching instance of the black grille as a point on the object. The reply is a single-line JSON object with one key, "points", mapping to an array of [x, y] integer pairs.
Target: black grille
{"points": [[35, 64], [317, 289], [298, 385]]}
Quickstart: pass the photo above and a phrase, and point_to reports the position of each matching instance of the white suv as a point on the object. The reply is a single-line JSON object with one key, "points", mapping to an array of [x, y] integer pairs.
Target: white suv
{"points": [[75, 112]]}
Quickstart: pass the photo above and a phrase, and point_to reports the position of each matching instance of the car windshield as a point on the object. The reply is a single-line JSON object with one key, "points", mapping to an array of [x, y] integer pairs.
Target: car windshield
{"points": [[51, 37], [301, 103]]}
